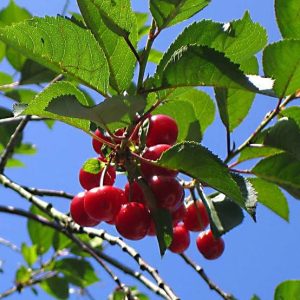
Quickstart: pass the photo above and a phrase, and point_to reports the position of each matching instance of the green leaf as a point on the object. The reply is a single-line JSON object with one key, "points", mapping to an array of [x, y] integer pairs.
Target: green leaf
{"points": [[293, 113], [14, 163], [13, 13], [288, 290], [170, 12], [255, 297], [77, 53], [120, 295], [239, 40], [285, 135], [34, 73], [198, 162], [202, 66], [113, 24], [114, 112], [5, 79], [287, 16], [281, 169], [29, 253], [25, 149], [281, 61], [57, 287], [15, 58], [229, 214], [40, 235], [256, 152], [142, 19], [2, 51], [155, 56], [23, 274], [21, 95], [93, 165], [60, 92], [271, 196], [60, 241], [77, 271]]}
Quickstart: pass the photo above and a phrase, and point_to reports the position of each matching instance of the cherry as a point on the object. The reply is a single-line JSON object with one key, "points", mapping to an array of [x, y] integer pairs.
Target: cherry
{"points": [[162, 130], [209, 246], [196, 217], [103, 203], [91, 180], [154, 153], [78, 212], [133, 221], [181, 239], [97, 145], [178, 214], [151, 231], [168, 192], [133, 192]]}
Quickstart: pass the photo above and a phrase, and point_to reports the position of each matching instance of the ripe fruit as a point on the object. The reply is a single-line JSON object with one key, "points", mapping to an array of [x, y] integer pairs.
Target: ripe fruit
{"points": [[103, 203], [178, 214], [181, 239], [133, 221], [154, 153], [133, 192], [168, 192], [196, 217], [91, 180], [209, 246], [162, 130], [97, 145], [78, 212]]}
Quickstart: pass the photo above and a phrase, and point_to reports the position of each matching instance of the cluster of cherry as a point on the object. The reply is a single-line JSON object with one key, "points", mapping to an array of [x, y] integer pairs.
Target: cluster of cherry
{"points": [[128, 209]]}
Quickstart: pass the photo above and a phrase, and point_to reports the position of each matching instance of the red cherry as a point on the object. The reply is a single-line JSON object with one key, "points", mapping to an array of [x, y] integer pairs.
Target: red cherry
{"points": [[133, 221], [181, 239], [178, 214], [97, 145], [196, 217], [209, 246], [168, 192], [151, 231], [162, 130], [154, 153], [90, 180], [133, 192], [103, 203], [78, 212]]}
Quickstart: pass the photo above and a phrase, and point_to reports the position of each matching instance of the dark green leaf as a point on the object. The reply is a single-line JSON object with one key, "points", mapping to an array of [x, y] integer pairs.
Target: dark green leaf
{"points": [[60, 92], [271, 196], [15, 58], [29, 253], [23, 274], [56, 287], [34, 73], [76, 54], [93, 165], [288, 290], [77, 271], [170, 12], [60, 241], [255, 297], [114, 112], [120, 295], [112, 23], [198, 162], [281, 169], [40, 235], [287, 16], [293, 113], [21, 95], [281, 62]]}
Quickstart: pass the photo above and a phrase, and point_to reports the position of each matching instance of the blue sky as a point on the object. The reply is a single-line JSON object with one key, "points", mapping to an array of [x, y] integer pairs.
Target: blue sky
{"points": [[257, 256]]}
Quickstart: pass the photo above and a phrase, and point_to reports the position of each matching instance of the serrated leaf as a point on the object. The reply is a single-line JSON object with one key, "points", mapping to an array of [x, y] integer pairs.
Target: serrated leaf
{"points": [[198, 162], [281, 169], [60, 92], [285, 135], [57, 287], [281, 62], [60, 45], [271, 196], [77, 271], [239, 39], [114, 112], [29, 253], [40, 235], [288, 290], [112, 23], [23, 274], [93, 165], [169, 12], [34, 73], [256, 152], [287, 16], [202, 66]]}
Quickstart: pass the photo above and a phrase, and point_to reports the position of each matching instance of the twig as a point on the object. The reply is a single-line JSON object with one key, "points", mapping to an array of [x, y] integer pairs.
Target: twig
{"points": [[12, 143], [9, 244], [20, 118], [9, 85], [65, 8], [51, 193], [203, 275]]}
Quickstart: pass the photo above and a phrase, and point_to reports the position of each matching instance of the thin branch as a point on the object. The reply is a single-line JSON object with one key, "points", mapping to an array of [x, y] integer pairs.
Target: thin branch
{"points": [[20, 118], [67, 221], [12, 143], [9, 244], [203, 275], [65, 8], [9, 85], [51, 193]]}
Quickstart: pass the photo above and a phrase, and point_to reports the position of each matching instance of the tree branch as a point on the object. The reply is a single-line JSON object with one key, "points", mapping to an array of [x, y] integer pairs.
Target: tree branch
{"points": [[45, 192], [20, 118]]}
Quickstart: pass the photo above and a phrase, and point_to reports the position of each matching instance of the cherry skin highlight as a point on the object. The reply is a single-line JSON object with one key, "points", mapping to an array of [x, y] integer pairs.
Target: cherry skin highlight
{"points": [[181, 239], [78, 212], [162, 130], [209, 246], [133, 221]]}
